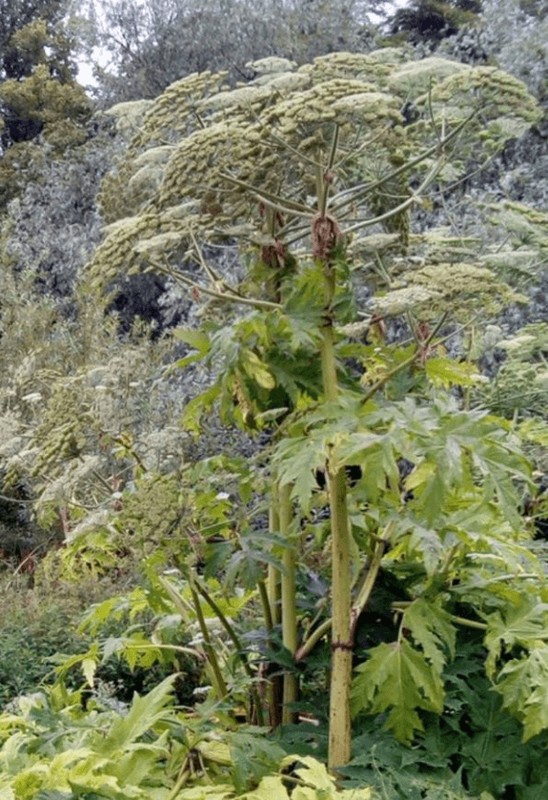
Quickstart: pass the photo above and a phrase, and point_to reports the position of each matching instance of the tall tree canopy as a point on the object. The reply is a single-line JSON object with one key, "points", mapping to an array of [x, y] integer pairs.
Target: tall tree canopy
{"points": [[38, 89], [156, 42], [15, 15]]}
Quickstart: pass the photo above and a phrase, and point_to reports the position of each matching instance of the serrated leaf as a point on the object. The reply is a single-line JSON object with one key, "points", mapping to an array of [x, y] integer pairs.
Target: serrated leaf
{"points": [[354, 448], [363, 793], [432, 497], [523, 684], [89, 667], [197, 407], [215, 751], [431, 629], [196, 339], [258, 370], [253, 757], [521, 625], [270, 788], [500, 467], [399, 679], [216, 792], [297, 460], [426, 544], [447, 372], [315, 774], [420, 475], [538, 791], [143, 714]]}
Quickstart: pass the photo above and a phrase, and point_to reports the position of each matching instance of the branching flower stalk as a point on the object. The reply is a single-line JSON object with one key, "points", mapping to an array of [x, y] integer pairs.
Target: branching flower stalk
{"points": [[224, 293]]}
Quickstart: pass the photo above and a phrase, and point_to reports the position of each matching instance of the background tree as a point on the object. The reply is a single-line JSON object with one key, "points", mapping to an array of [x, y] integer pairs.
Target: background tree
{"points": [[16, 14], [39, 95], [152, 44], [430, 21]]}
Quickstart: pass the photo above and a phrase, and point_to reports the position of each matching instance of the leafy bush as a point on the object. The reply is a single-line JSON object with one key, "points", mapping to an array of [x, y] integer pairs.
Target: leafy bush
{"points": [[474, 746], [32, 629]]}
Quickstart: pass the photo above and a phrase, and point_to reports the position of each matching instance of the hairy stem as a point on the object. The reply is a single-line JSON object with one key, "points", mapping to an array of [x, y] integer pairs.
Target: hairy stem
{"points": [[289, 609], [341, 583]]}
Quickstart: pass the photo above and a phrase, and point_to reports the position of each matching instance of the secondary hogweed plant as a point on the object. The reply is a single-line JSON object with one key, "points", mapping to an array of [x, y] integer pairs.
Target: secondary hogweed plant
{"points": [[373, 526]]}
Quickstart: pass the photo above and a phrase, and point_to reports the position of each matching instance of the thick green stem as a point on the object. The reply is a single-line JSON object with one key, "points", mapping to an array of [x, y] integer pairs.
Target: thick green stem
{"points": [[289, 605], [182, 779], [341, 644], [370, 573], [316, 635], [341, 582]]}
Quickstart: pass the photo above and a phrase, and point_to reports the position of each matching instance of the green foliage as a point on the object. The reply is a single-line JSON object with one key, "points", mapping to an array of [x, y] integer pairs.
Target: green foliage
{"points": [[473, 748], [398, 677], [148, 749], [45, 101], [32, 629], [74, 421], [111, 757], [288, 144], [16, 16], [313, 782], [432, 20]]}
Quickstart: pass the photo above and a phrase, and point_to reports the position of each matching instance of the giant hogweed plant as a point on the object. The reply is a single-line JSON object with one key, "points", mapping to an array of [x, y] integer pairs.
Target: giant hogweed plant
{"points": [[75, 430], [314, 173]]}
